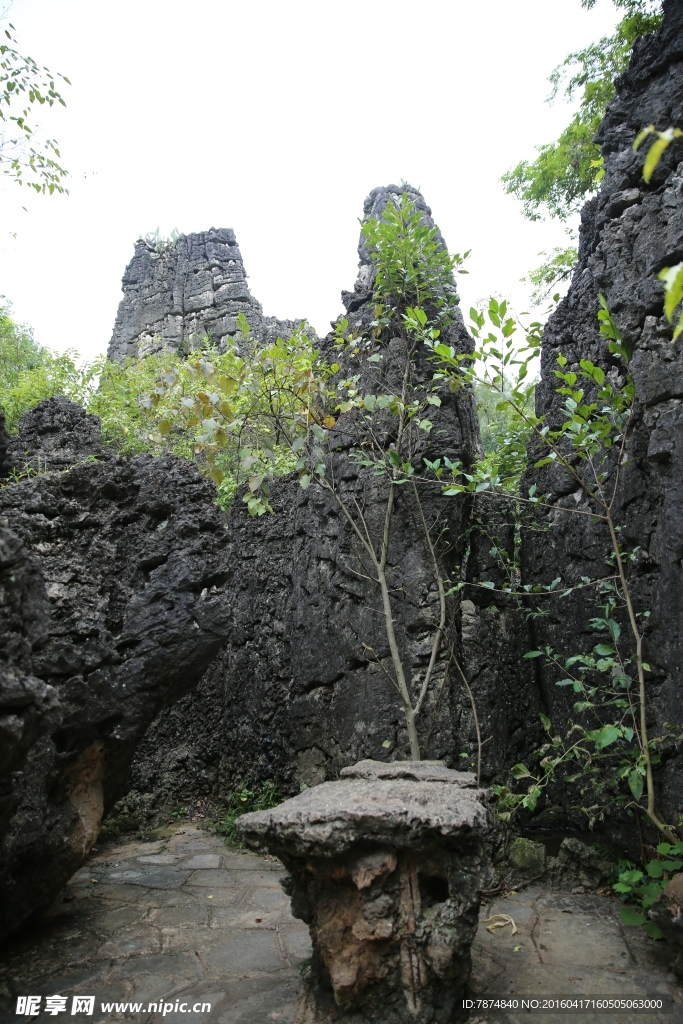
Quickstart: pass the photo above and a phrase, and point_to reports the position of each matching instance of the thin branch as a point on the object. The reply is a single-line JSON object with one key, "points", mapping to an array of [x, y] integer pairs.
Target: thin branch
{"points": [[442, 606]]}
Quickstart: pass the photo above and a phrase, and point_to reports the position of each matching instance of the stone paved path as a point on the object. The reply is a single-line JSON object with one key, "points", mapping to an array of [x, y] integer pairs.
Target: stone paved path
{"points": [[186, 919]]}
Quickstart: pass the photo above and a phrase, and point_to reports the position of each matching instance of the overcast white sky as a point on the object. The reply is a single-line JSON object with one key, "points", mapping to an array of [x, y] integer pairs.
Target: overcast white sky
{"points": [[277, 118]]}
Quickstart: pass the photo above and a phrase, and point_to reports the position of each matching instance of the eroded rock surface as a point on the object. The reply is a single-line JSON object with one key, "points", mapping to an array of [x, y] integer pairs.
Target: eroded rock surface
{"points": [[297, 691], [177, 295], [113, 605], [628, 233], [387, 873]]}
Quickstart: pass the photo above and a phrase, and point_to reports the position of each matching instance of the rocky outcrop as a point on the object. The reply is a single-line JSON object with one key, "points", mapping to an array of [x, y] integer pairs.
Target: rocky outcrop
{"points": [[299, 693], [628, 233], [386, 867], [178, 295], [112, 605], [5, 460], [28, 707], [667, 915]]}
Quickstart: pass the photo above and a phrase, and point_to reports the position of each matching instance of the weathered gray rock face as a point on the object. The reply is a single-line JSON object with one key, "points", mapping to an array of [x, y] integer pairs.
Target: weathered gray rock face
{"points": [[386, 870], [628, 233], [5, 460], [28, 707], [112, 605], [177, 295], [298, 693], [667, 914]]}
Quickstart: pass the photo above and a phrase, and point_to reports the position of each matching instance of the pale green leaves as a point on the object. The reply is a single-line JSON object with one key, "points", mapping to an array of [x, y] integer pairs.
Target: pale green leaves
{"points": [[661, 143], [673, 294], [24, 88], [672, 277]]}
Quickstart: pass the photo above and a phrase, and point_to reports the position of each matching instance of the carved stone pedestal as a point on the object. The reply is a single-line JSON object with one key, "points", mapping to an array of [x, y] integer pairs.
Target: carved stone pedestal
{"points": [[385, 866]]}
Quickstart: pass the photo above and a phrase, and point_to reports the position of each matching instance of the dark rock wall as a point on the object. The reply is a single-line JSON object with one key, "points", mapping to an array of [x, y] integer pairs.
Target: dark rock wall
{"points": [[176, 296], [628, 233], [298, 694], [112, 605]]}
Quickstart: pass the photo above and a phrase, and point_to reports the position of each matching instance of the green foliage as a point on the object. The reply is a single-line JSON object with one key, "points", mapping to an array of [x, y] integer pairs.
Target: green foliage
{"points": [[238, 416], [161, 242], [504, 435], [260, 796], [18, 348], [644, 887], [657, 149], [245, 414], [53, 375], [412, 266], [24, 88], [498, 370], [671, 276], [557, 268], [557, 182]]}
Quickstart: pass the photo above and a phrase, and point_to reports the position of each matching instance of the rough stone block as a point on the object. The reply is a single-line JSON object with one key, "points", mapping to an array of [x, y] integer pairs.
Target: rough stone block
{"points": [[387, 874]]}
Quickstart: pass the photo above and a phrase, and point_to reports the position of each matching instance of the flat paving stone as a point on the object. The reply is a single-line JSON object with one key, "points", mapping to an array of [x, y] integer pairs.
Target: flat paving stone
{"points": [[204, 924], [160, 858], [167, 878], [245, 952], [202, 861]]}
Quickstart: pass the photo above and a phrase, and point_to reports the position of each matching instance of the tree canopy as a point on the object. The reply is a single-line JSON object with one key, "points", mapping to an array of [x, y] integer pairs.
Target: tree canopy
{"points": [[566, 171], [25, 156]]}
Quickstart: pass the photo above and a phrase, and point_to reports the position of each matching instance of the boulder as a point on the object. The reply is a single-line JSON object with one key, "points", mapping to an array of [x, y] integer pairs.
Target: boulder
{"points": [[113, 574], [667, 914]]}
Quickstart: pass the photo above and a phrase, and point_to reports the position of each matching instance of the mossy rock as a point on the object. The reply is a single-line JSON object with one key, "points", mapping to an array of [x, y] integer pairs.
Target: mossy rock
{"points": [[527, 856]]}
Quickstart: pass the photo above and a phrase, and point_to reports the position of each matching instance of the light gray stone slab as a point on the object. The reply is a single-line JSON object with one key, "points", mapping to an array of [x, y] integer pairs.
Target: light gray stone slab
{"points": [[247, 952], [202, 861], [328, 820], [165, 878], [161, 858]]}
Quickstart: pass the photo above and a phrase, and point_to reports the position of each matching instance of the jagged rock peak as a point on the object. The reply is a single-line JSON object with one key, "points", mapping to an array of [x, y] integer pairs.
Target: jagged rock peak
{"points": [[177, 294]]}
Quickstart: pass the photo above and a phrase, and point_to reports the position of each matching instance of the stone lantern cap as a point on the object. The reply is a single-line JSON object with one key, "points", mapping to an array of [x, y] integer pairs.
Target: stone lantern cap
{"points": [[418, 771], [399, 811]]}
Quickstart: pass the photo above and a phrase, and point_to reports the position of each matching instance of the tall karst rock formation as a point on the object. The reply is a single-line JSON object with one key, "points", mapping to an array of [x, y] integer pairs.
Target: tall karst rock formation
{"points": [[629, 232], [177, 295], [295, 691]]}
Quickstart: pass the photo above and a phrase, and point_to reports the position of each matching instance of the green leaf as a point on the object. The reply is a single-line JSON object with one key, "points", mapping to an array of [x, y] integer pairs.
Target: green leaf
{"points": [[652, 930], [635, 784], [631, 877], [603, 650], [604, 737], [547, 724], [673, 288], [655, 868], [641, 136], [534, 654], [520, 771], [632, 917]]}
